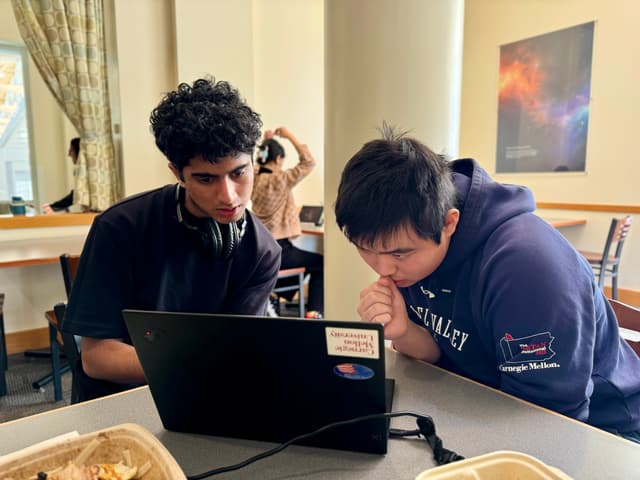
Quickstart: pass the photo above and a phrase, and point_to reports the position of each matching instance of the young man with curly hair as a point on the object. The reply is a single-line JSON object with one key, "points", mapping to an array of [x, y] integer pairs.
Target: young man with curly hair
{"points": [[192, 246], [471, 279]]}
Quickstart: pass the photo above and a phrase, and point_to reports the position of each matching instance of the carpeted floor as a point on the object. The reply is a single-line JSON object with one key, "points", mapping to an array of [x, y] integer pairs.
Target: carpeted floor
{"points": [[22, 399]]}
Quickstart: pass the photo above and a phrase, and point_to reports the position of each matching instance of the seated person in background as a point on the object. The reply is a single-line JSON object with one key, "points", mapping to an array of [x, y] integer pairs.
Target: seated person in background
{"points": [[191, 247], [471, 279], [65, 202], [273, 203]]}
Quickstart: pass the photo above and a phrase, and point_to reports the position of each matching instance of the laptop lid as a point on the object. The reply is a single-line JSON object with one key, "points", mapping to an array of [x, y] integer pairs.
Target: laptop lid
{"points": [[265, 378], [312, 214]]}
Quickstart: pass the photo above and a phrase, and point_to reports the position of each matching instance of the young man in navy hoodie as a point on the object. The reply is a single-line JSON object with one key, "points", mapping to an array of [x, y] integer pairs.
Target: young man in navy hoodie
{"points": [[472, 280]]}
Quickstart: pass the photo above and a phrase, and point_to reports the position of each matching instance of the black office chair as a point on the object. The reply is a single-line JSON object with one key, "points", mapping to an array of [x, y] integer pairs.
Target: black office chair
{"points": [[69, 266], [83, 387], [69, 347], [605, 264]]}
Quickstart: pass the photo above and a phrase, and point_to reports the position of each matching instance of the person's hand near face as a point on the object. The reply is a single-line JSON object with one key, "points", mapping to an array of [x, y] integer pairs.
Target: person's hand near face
{"points": [[382, 302]]}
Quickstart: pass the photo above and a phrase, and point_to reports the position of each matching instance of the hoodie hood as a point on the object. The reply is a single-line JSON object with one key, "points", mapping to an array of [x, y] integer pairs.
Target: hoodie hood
{"points": [[484, 205]]}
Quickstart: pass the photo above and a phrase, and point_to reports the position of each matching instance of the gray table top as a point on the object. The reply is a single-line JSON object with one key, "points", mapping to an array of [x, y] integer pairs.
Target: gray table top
{"points": [[471, 419]]}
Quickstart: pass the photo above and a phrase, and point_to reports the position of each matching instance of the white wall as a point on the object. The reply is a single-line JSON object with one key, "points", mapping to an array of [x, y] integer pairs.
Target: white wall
{"points": [[277, 64], [147, 70], [385, 60], [289, 80], [215, 37], [273, 52], [612, 173]]}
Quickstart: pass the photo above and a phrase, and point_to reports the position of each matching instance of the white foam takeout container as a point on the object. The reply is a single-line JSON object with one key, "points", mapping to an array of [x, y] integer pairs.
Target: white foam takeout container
{"points": [[142, 445]]}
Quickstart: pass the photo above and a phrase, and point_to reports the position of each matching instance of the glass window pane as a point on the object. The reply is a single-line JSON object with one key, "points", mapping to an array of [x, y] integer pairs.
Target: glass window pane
{"points": [[15, 164]]}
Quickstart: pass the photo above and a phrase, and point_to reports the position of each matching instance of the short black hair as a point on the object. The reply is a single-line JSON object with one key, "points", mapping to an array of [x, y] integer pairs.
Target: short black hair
{"points": [[75, 145], [273, 148], [207, 118], [391, 184]]}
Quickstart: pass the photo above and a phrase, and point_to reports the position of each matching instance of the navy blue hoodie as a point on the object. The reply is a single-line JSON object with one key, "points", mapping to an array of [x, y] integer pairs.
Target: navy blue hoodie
{"points": [[515, 306]]}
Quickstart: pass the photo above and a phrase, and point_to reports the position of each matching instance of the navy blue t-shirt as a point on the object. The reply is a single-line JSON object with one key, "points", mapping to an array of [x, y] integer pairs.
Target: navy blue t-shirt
{"points": [[138, 256]]}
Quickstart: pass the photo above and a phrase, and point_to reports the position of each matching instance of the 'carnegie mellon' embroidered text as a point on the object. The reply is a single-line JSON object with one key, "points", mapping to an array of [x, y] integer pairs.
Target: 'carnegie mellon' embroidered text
{"points": [[441, 327]]}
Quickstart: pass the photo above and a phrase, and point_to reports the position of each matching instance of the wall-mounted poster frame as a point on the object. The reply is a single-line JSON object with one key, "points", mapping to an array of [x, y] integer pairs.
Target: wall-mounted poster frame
{"points": [[543, 102]]}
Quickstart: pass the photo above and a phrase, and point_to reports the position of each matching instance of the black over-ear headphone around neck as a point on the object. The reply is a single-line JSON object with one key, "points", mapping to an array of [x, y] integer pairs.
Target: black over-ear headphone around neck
{"points": [[219, 240]]}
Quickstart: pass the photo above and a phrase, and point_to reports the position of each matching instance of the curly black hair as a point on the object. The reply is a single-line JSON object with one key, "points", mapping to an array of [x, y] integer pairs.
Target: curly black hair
{"points": [[209, 119]]}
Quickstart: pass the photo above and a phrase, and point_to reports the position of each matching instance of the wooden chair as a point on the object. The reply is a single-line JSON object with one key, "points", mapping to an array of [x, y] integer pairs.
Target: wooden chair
{"points": [[629, 322], [605, 263], [284, 285], [69, 265]]}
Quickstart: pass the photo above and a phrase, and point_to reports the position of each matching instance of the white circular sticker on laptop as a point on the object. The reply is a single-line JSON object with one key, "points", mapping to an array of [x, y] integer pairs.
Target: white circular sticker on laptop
{"points": [[353, 371]]}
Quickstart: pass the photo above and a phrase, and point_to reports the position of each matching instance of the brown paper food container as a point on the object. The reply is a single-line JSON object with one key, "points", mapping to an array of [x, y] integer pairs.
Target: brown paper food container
{"points": [[142, 445], [500, 465]]}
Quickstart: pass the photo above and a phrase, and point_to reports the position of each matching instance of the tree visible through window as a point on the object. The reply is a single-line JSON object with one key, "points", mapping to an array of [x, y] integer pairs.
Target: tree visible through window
{"points": [[15, 160]]}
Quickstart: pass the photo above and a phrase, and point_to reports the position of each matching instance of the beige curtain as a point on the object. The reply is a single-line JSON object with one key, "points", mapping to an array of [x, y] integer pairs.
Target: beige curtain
{"points": [[65, 38]]}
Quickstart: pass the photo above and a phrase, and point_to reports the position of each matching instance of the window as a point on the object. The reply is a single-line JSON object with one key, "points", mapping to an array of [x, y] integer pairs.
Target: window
{"points": [[15, 158]]}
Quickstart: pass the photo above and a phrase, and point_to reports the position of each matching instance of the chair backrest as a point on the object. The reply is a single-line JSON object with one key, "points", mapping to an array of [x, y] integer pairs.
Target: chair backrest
{"points": [[86, 388], [70, 349], [289, 280], [618, 232], [629, 320], [69, 265]]}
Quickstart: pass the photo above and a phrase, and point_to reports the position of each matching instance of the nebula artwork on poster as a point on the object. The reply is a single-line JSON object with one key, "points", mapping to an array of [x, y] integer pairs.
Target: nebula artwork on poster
{"points": [[543, 102]]}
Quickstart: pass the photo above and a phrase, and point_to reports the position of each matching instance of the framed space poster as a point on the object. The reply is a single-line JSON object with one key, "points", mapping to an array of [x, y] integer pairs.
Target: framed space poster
{"points": [[543, 102]]}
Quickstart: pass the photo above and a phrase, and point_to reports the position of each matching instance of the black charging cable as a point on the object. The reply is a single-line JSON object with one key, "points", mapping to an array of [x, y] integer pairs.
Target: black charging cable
{"points": [[426, 428]]}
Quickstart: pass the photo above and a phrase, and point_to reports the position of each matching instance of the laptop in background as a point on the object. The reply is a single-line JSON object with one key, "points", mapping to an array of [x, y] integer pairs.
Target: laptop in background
{"points": [[312, 215], [265, 378]]}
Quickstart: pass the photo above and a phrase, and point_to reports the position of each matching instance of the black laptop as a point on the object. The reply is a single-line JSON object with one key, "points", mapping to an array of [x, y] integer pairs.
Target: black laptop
{"points": [[312, 214], [265, 378]]}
